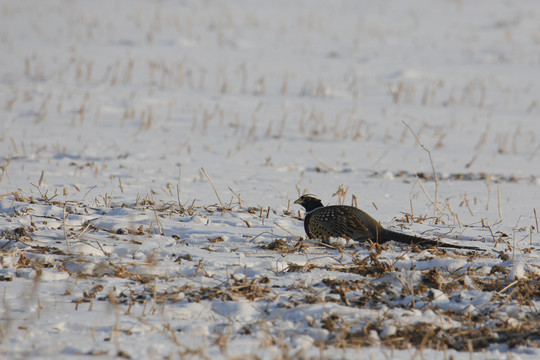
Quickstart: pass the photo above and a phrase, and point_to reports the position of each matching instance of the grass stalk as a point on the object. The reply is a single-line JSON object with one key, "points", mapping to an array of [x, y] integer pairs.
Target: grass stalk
{"points": [[536, 218], [430, 161], [213, 187]]}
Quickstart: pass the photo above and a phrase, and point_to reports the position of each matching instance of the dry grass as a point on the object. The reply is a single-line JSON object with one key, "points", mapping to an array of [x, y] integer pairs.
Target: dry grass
{"points": [[378, 280]]}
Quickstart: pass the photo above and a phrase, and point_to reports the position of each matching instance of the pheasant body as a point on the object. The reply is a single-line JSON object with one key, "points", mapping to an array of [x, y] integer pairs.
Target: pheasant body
{"points": [[341, 221], [347, 221]]}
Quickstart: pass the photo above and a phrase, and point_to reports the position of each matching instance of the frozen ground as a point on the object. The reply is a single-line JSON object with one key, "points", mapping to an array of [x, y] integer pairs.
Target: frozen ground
{"points": [[150, 152]]}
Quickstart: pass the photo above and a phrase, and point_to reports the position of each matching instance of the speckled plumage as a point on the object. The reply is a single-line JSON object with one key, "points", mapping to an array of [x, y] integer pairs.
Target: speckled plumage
{"points": [[341, 221]]}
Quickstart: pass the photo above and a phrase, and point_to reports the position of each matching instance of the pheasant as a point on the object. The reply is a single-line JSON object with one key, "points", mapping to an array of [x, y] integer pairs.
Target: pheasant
{"points": [[325, 222]]}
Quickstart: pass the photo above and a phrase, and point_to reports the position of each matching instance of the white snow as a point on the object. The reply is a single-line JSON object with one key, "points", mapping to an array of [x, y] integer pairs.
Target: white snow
{"points": [[150, 152]]}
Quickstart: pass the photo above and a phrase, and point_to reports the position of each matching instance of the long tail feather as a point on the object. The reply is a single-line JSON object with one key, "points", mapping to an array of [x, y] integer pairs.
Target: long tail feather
{"points": [[410, 239]]}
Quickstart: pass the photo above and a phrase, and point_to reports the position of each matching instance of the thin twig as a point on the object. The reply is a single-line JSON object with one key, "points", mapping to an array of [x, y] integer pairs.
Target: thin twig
{"points": [[282, 228], [427, 195], [178, 196], [468, 206], [65, 229], [41, 177], [499, 200], [157, 221], [454, 214], [508, 286], [536, 218], [239, 197], [179, 185], [211, 183], [92, 188], [430, 160], [289, 209], [86, 227], [5, 171], [328, 167], [15, 194]]}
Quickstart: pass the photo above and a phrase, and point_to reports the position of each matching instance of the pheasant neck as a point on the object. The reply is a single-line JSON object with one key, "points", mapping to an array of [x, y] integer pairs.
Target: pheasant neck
{"points": [[312, 206]]}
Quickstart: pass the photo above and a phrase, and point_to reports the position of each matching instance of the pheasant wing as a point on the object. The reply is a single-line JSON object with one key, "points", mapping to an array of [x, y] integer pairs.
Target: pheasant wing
{"points": [[339, 221]]}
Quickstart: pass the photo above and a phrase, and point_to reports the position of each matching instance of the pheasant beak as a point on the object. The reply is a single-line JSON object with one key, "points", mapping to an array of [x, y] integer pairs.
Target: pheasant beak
{"points": [[299, 201]]}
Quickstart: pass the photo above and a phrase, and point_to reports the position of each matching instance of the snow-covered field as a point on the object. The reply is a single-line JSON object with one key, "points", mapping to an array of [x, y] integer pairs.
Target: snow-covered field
{"points": [[150, 152]]}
